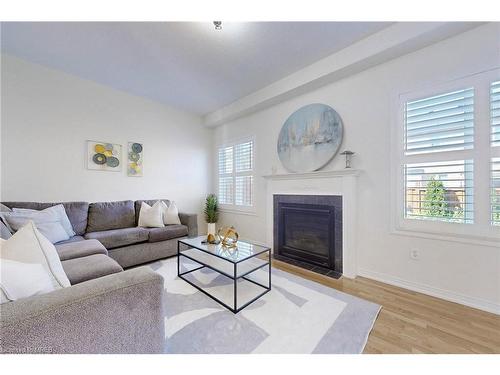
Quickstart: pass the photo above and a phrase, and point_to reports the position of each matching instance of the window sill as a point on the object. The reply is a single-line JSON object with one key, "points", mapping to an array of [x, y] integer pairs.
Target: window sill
{"points": [[236, 211], [450, 237]]}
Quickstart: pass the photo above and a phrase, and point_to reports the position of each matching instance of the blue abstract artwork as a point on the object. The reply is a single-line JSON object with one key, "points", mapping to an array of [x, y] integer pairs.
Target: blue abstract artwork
{"points": [[310, 138]]}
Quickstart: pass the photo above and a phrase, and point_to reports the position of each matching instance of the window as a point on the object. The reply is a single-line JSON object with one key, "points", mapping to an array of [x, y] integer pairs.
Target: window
{"points": [[495, 191], [236, 164], [495, 162], [495, 113], [226, 183], [439, 190], [446, 160]]}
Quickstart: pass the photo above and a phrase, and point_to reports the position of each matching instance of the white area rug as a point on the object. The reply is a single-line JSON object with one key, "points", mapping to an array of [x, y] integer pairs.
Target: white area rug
{"points": [[296, 316]]}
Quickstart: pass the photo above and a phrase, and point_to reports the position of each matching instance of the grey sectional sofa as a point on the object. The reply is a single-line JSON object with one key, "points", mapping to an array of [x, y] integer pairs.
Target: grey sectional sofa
{"points": [[106, 309], [114, 225], [118, 313]]}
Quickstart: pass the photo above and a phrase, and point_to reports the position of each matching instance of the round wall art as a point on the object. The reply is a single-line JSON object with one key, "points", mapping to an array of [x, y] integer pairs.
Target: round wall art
{"points": [[310, 138]]}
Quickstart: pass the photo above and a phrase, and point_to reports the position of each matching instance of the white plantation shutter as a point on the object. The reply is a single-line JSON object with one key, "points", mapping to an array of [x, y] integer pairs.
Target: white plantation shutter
{"points": [[439, 123], [244, 186], [495, 191], [243, 161], [226, 160], [226, 191], [495, 152], [244, 157], [236, 164], [226, 183], [495, 113]]}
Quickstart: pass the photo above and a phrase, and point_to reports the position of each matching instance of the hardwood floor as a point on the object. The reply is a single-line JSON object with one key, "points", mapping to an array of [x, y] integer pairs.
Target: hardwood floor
{"points": [[411, 322]]}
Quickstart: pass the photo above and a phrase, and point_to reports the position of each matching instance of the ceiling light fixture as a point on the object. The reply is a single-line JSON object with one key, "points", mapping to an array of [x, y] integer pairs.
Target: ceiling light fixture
{"points": [[218, 25]]}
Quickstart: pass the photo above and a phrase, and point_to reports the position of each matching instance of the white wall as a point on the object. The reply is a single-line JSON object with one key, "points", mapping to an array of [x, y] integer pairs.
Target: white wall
{"points": [[48, 115], [466, 273]]}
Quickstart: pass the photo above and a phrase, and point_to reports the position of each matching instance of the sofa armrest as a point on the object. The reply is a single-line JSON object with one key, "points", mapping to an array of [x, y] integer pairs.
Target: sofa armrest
{"points": [[118, 313], [191, 221]]}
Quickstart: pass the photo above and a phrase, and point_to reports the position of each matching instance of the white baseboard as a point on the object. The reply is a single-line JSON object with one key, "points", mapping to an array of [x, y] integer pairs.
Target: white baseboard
{"points": [[447, 295], [462, 299]]}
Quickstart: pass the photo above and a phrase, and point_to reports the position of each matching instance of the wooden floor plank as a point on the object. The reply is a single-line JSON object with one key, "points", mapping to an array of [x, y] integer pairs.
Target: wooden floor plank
{"points": [[412, 322]]}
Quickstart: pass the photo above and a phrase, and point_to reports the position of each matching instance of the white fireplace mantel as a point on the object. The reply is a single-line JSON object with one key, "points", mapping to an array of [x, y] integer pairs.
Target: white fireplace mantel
{"points": [[339, 182], [309, 175]]}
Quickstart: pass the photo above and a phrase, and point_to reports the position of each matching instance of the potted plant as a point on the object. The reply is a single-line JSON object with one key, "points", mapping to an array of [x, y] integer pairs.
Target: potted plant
{"points": [[211, 215]]}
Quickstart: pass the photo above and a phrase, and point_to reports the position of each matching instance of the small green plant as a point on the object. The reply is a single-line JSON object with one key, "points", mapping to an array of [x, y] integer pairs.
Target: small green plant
{"points": [[211, 209]]}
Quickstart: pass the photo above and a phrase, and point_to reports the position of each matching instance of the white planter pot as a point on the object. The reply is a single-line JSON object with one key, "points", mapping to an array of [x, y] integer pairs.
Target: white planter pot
{"points": [[211, 228]]}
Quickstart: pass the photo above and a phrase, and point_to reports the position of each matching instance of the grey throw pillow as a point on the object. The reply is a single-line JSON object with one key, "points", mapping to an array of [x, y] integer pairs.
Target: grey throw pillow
{"points": [[4, 208], [59, 211], [48, 223], [4, 231]]}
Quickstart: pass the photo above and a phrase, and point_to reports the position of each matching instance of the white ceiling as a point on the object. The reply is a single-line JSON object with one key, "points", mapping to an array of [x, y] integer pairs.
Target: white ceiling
{"points": [[186, 65]]}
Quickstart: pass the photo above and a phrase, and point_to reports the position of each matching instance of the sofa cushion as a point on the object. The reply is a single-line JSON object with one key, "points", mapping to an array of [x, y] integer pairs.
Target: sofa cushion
{"points": [[91, 267], [150, 202], [78, 249], [119, 237], [167, 233], [140, 253], [71, 239], [110, 215], [77, 211]]}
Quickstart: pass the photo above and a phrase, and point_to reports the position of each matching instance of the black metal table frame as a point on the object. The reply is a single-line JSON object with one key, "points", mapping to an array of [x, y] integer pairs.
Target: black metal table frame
{"points": [[234, 277]]}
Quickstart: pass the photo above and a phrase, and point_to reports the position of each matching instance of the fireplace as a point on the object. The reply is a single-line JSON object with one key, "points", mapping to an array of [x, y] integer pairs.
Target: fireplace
{"points": [[308, 231]]}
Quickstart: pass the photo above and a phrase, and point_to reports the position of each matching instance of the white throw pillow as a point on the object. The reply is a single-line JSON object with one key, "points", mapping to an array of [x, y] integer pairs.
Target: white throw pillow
{"points": [[16, 284], [151, 216], [30, 265], [170, 213], [47, 222], [164, 209], [59, 210]]}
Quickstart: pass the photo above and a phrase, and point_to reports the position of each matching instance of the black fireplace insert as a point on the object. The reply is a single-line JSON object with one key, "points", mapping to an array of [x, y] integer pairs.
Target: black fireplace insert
{"points": [[308, 228]]}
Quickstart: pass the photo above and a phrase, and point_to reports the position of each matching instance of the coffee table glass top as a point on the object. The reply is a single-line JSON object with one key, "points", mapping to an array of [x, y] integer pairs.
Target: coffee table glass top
{"points": [[241, 252]]}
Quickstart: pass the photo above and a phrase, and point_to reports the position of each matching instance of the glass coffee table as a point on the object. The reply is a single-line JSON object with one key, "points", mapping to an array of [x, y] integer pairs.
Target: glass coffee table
{"points": [[244, 267]]}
